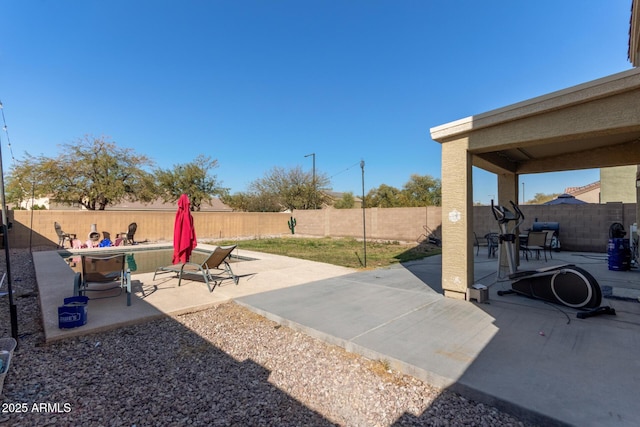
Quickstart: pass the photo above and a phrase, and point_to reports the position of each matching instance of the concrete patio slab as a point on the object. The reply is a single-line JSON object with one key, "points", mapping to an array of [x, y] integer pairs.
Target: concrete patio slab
{"points": [[162, 297]]}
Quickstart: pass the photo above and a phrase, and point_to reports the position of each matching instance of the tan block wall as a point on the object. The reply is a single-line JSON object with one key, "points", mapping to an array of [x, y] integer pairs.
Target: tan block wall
{"points": [[403, 224], [152, 225], [582, 227]]}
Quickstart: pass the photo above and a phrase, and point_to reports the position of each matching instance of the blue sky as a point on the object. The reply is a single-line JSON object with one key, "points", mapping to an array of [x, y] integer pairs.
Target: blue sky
{"points": [[258, 84]]}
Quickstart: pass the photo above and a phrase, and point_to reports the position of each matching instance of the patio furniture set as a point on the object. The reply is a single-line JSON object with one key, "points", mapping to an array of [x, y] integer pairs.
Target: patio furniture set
{"points": [[109, 272], [94, 241], [541, 237]]}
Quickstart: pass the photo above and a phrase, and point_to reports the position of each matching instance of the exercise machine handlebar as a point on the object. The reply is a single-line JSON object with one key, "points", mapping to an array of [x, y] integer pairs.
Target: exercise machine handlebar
{"points": [[504, 215]]}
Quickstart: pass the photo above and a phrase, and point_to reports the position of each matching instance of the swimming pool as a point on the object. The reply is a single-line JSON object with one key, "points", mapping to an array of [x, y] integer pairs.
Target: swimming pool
{"points": [[140, 260]]}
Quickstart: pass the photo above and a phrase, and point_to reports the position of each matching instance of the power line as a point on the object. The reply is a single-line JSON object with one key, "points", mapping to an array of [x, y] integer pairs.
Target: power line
{"points": [[6, 130], [13, 158], [342, 171]]}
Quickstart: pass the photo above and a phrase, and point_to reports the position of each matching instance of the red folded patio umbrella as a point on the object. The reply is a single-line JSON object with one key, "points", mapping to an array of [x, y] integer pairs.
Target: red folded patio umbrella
{"points": [[184, 235]]}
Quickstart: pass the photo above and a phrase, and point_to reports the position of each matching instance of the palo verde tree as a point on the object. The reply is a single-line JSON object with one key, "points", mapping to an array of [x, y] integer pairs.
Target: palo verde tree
{"points": [[422, 190], [22, 180], [384, 196], [252, 202], [346, 202], [193, 179], [542, 198], [92, 172], [291, 189]]}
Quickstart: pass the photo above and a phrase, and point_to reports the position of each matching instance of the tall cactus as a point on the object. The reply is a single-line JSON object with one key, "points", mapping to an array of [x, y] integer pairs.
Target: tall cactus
{"points": [[292, 225]]}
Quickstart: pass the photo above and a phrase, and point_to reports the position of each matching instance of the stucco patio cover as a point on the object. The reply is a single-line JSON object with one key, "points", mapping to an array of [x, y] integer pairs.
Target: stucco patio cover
{"points": [[592, 125]]}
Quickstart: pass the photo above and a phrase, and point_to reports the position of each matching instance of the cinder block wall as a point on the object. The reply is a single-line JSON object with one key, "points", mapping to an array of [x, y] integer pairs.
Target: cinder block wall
{"points": [[403, 224], [582, 227], [38, 229]]}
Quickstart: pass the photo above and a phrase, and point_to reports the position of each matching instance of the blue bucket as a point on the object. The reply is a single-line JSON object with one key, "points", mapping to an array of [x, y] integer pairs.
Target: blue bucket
{"points": [[73, 313]]}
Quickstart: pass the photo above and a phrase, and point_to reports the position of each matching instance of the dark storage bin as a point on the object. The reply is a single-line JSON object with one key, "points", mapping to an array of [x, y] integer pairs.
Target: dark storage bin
{"points": [[619, 253]]}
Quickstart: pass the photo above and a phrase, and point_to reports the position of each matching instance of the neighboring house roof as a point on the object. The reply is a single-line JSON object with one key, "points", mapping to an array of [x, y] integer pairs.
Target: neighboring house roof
{"points": [[589, 193], [336, 195], [576, 191]]}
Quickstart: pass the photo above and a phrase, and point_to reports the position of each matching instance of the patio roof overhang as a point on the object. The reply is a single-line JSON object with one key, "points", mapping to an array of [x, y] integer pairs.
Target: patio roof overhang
{"points": [[593, 125]]}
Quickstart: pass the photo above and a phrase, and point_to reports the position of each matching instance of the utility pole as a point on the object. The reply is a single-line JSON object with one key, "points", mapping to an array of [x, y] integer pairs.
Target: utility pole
{"points": [[315, 190], [364, 223]]}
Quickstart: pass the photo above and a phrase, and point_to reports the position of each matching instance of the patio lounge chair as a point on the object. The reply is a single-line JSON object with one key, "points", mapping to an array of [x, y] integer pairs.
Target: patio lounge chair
{"points": [[97, 270], [216, 260], [62, 236]]}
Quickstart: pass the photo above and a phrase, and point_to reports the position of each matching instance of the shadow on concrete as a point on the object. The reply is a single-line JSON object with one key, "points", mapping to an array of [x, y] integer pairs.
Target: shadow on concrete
{"points": [[543, 364], [532, 359]]}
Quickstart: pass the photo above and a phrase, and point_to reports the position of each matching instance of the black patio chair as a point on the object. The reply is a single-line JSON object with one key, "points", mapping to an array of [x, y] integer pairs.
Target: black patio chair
{"points": [[478, 243], [131, 233], [493, 242]]}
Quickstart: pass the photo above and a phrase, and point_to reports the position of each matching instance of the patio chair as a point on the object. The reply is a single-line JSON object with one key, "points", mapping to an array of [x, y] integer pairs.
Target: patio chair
{"points": [[493, 242], [548, 246], [131, 232], [62, 236], [215, 260], [535, 243], [478, 243], [97, 270]]}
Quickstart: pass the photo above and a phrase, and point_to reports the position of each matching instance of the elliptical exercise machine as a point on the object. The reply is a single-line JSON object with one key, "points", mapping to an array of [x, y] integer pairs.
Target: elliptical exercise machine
{"points": [[563, 284]]}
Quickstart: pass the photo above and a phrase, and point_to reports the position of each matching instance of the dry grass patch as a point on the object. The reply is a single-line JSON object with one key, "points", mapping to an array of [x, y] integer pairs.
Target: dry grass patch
{"points": [[346, 252]]}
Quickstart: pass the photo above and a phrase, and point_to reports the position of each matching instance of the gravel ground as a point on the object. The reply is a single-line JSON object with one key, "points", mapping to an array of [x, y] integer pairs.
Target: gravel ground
{"points": [[223, 366]]}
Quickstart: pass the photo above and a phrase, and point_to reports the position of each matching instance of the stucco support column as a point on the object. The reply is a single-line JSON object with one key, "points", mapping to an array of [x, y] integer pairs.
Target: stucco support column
{"points": [[638, 195], [508, 190], [457, 219]]}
